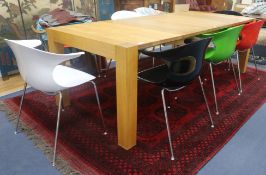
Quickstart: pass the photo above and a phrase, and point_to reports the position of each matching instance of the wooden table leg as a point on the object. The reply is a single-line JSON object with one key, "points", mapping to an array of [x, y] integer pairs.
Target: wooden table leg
{"points": [[126, 90], [58, 48], [243, 60]]}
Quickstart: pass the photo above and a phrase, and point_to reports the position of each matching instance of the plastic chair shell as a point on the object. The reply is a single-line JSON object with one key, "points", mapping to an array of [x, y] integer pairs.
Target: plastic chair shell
{"points": [[40, 69], [224, 43], [249, 35], [195, 49], [124, 14]]}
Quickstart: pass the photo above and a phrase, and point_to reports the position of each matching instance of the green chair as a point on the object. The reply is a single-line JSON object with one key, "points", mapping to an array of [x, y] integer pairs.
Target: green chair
{"points": [[222, 47]]}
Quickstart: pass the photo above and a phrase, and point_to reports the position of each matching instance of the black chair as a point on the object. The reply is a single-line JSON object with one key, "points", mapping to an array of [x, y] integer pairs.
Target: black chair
{"points": [[183, 65], [229, 12]]}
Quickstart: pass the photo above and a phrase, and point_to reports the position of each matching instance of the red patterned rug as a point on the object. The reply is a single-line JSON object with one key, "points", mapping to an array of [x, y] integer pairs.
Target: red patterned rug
{"points": [[83, 146]]}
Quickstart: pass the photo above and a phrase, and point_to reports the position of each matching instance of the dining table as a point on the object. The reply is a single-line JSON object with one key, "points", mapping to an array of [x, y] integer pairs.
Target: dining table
{"points": [[122, 39]]}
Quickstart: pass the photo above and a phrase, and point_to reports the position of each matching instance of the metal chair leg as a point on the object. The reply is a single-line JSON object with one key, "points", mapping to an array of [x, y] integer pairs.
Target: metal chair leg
{"points": [[108, 67], [214, 91], [255, 62], [99, 106], [97, 66], [167, 125], [206, 101], [153, 59], [239, 74], [229, 64], [20, 107], [233, 68], [57, 126], [62, 104]]}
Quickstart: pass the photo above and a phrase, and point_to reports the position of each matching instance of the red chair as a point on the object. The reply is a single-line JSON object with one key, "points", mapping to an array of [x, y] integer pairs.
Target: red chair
{"points": [[248, 38], [249, 35]]}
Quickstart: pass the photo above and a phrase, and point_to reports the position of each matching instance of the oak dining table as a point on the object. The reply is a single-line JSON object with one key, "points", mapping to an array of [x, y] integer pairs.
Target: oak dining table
{"points": [[121, 40]]}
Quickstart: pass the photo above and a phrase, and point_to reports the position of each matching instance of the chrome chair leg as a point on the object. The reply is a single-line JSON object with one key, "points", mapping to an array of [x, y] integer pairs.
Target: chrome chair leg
{"points": [[108, 67], [62, 104], [20, 107], [206, 102], [255, 62], [57, 126], [99, 106], [239, 74], [229, 64], [153, 59], [99, 69], [167, 125], [233, 68], [97, 66], [214, 91], [139, 55]]}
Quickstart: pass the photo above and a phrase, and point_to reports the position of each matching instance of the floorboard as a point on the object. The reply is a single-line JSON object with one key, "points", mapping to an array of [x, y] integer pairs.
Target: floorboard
{"points": [[12, 84]]}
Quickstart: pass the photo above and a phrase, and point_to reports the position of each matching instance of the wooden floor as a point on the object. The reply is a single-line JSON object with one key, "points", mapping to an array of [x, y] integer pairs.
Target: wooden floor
{"points": [[12, 84]]}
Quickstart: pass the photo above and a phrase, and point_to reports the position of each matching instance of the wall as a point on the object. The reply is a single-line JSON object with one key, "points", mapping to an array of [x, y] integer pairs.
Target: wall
{"points": [[32, 9], [11, 24]]}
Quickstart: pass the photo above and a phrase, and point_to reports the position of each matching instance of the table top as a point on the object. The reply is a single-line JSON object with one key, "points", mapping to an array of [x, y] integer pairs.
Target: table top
{"points": [[145, 31]]}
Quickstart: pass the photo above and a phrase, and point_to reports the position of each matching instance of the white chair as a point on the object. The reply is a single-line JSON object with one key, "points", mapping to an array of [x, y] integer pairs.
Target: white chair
{"points": [[146, 11], [124, 14], [41, 70], [138, 12]]}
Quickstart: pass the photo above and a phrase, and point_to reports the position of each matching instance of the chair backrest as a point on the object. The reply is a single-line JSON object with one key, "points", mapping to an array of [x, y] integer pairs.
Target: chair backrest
{"points": [[223, 44], [36, 66], [229, 12], [249, 35], [124, 14], [182, 57], [146, 11]]}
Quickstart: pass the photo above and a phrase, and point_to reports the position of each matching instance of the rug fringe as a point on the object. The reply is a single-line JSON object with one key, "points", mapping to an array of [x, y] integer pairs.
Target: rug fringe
{"points": [[61, 165]]}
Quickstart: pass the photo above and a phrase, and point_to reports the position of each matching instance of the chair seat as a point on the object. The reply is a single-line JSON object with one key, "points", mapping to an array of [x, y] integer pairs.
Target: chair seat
{"points": [[67, 77], [159, 76]]}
